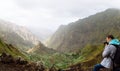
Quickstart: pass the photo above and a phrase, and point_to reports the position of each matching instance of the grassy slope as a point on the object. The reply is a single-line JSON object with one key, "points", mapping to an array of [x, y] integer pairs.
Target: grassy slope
{"points": [[90, 55], [10, 50]]}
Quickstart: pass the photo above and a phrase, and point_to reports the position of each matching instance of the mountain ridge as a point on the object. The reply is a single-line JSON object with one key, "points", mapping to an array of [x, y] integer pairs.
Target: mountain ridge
{"points": [[17, 35], [74, 36]]}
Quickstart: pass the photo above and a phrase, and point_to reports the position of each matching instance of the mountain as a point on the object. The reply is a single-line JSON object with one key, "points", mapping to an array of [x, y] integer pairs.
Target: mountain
{"points": [[40, 49], [18, 36], [21, 38], [90, 30]]}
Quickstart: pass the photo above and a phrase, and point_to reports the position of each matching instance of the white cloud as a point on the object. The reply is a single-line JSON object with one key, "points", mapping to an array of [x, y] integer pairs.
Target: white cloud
{"points": [[50, 14]]}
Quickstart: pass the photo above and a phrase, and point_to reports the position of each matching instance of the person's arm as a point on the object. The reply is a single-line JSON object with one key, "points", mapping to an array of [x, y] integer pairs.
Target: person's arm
{"points": [[106, 52]]}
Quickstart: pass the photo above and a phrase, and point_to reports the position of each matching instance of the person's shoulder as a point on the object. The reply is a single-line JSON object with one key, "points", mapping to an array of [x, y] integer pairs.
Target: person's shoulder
{"points": [[111, 46]]}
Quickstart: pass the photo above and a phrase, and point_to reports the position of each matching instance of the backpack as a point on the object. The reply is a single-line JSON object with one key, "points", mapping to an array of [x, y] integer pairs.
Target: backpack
{"points": [[116, 59]]}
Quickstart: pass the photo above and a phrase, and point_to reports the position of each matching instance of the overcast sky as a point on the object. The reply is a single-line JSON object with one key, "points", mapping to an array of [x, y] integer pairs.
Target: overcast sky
{"points": [[49, 14]]}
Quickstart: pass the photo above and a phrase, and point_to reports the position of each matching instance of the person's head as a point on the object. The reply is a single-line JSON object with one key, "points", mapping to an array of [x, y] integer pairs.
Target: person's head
{"points": [[109, 38]]}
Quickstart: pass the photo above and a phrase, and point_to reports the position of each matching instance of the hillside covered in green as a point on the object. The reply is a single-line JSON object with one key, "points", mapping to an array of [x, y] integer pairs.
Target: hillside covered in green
{"points": [[10, 49]]}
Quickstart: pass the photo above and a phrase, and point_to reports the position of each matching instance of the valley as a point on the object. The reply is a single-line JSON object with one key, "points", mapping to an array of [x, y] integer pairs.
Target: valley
{"points": [[77, 46]]}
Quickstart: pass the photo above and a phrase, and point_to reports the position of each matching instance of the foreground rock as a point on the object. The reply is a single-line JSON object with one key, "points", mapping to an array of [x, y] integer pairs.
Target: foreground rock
{"points": [[9, 63]]}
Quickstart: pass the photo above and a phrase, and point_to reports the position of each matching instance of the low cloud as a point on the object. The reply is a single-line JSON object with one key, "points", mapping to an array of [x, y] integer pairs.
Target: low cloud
{"points": [[49, 14]]}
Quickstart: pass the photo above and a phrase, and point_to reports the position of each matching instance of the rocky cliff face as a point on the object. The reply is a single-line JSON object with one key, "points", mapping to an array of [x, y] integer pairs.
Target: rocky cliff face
{"points": [[90, 30], [17, 35], [26, 34]]}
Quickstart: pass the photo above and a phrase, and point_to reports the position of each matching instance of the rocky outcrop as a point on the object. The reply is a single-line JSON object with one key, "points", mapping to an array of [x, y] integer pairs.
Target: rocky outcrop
{"points": [[41, 49], [9, 63], [9, 59]]}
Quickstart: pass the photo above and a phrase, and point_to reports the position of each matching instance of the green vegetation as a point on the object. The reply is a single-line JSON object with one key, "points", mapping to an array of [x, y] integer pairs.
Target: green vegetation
{"points": [[79, 43], [86, 56], [83, 38], [57, 59], [60, 60], [90, 55], [8, 48]]}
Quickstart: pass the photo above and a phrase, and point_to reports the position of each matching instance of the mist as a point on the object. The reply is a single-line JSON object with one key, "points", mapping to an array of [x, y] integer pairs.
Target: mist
{"points": [[48, 15]]}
